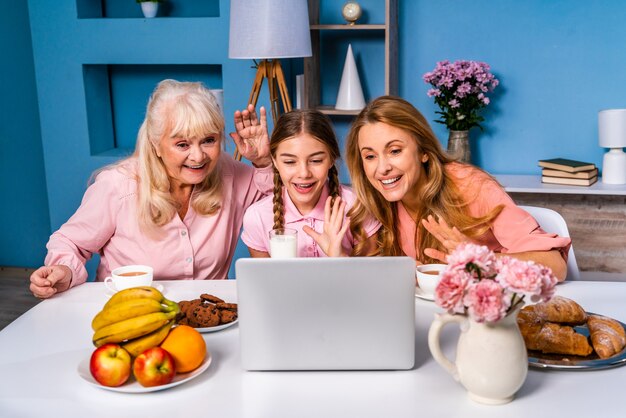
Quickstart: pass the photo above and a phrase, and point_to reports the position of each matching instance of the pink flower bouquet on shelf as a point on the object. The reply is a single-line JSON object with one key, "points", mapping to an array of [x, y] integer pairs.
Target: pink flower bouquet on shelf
{"points": [[486, 287], [460, 90]]}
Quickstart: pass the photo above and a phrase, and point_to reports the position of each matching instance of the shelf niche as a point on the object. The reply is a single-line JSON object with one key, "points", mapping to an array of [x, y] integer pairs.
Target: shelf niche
{"points": [[116, 98], [115, 9]]}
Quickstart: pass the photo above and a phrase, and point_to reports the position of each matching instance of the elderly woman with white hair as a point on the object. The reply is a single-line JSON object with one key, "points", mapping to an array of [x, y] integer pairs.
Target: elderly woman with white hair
{"points": [[176, 204]]}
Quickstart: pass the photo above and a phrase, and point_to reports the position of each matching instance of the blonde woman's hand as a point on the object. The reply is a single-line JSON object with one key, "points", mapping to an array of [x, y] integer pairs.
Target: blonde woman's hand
{"points": [[47, 281], [449, 237], [251, 137], [334, 228]]}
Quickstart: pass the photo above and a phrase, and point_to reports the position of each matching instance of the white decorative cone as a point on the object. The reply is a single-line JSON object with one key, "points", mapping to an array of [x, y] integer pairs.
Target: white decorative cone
{"points": [[350, 96]]}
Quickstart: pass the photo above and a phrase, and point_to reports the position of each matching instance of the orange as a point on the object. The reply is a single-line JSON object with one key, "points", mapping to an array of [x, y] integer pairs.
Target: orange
{"points": [[187, 347]]}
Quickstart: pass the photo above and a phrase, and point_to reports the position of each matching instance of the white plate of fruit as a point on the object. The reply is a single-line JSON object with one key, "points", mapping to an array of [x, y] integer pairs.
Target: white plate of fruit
{"points": [[140, 348]]}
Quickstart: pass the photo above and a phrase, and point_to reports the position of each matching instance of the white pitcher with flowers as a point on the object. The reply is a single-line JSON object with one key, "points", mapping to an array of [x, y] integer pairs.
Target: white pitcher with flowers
{"points": [[482, 294]]}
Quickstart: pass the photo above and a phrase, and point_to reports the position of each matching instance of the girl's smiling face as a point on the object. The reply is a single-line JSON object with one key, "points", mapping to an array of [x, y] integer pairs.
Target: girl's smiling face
{"points": [[392, 162], [189, 161], [303, 163]]}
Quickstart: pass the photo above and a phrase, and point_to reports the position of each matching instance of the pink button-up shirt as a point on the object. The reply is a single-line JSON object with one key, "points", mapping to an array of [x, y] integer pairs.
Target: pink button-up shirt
{"points": [[514, 230], [259, 221], [197, 247]]}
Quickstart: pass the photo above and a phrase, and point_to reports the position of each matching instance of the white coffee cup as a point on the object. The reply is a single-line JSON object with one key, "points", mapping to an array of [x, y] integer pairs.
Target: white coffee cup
{"points": [[428, 276], [129, 276], [283, 243]]}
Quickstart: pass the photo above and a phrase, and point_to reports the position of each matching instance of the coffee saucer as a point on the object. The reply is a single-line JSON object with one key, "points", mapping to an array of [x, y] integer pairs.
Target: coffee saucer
{"points": [[110, 292], [419, 293]]}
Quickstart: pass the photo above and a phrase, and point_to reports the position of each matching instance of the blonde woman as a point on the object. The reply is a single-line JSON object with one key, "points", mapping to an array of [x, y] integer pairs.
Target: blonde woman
{"points": [[176, 204], [428, 203]]}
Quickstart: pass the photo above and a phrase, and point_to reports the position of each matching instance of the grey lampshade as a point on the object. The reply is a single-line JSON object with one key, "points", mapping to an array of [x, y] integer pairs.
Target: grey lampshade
{"points": [[612, 128], [269, 29]]}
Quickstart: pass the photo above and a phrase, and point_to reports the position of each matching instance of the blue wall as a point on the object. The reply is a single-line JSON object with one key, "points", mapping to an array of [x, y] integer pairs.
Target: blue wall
{"points": [[559, 63], [24, 217]]}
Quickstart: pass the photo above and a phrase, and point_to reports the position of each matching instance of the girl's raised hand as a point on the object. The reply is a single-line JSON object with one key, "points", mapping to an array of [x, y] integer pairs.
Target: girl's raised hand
{"points": [[334, 228], [251, 136], [450, 237]]}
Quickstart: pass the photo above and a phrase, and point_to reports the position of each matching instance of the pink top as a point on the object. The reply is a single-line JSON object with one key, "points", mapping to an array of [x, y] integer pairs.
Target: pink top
{"points": [[198, 247], [259, 221], [514, 230]]}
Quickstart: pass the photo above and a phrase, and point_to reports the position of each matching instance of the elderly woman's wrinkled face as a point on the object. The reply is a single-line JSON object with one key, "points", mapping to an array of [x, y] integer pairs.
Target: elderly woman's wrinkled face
{"points": [[189, 161], [391, 160]]}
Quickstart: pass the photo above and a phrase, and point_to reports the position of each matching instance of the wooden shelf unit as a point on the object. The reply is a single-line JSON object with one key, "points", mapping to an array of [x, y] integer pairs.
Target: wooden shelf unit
{"points": [[312, 78]]}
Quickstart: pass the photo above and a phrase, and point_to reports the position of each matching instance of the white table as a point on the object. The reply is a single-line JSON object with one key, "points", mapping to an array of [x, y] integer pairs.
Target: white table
{"points": [[40, 351]]}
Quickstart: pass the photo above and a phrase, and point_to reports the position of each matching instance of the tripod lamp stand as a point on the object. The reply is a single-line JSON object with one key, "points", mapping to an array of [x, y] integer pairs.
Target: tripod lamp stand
{"points": [[273, 72], [268, 30]]}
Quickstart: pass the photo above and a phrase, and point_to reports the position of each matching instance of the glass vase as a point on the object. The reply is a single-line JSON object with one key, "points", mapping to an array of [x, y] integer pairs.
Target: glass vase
{"points": [[459, 147]]}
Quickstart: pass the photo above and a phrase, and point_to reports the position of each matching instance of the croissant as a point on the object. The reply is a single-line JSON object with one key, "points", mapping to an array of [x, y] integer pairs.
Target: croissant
{"points": [[530, 326], [607, 335], [549, 337], [560, 310]]}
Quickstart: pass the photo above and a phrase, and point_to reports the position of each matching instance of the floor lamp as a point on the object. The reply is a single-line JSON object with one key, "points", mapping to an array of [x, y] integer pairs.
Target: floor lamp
{"points": [[268, 30]]}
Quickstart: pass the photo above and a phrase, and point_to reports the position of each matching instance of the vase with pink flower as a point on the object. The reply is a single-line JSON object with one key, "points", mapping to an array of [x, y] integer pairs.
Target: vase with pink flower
{"points": [[482, 294], [460, 90]]}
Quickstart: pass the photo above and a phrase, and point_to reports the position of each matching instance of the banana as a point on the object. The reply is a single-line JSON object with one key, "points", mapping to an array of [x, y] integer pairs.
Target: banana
{"points": [[132, 328], [125, 310], [171, 306], [134, 293], [141, 344]]}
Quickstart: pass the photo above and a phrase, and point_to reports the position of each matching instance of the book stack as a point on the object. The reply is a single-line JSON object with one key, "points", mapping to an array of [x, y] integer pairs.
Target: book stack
{"points": [[571, 172]]}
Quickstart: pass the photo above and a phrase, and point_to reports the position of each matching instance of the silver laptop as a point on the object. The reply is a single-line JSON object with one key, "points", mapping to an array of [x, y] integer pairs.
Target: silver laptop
{"points": [[326, 313]]}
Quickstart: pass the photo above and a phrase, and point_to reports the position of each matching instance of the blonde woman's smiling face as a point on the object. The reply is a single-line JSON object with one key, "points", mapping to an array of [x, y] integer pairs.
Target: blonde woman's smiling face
{"points": [[392, 162]]}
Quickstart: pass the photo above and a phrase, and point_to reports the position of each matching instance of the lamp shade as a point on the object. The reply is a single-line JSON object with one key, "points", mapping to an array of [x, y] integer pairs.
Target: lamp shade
{"points": [[264, 29], [612, 128]]}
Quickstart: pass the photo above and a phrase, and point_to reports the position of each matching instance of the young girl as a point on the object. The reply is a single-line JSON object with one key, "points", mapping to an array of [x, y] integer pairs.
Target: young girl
{"points": [[307, 194]]}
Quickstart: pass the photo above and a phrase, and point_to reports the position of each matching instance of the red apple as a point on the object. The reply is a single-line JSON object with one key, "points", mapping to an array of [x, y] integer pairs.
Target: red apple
{"points": [[110, 365], [154, 367]]}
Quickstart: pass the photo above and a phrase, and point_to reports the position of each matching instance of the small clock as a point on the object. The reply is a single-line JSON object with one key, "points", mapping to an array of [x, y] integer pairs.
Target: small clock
{"points": [[351, 11]]}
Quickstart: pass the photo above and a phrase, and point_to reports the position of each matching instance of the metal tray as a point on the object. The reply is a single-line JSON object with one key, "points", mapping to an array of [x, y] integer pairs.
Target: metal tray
{"points": [[539, 360]]}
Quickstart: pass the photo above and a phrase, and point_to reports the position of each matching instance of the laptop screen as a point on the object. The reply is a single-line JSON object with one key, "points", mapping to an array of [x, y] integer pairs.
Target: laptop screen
{"points": [[354, 313]]}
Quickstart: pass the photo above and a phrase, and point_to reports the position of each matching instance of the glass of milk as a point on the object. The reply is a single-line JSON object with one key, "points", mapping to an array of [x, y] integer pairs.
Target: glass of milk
{"points": [[283, 243]]}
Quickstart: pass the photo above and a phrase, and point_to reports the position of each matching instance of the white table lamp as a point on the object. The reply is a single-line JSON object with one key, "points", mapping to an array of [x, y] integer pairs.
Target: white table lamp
{"points": [[612, 134], [269, 30]]}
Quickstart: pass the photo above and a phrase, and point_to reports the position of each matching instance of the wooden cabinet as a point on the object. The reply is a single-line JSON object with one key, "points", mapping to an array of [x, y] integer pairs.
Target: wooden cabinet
{"points": [[312, 76]]}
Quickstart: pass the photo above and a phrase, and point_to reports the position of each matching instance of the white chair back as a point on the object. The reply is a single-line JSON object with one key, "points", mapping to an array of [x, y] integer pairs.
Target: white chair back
{"points": [[552, 221]]}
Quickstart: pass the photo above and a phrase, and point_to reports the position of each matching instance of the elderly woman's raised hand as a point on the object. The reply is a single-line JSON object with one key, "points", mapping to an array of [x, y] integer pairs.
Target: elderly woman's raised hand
{"points": [[450, 237], [251, 138]]}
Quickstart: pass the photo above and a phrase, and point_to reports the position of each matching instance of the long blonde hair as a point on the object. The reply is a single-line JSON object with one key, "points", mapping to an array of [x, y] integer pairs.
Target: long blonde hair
{"points": [[439, 194], [319, 126], [175, 109]]}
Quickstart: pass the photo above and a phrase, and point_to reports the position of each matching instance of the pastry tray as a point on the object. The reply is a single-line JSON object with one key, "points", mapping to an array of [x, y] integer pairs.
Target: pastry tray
{"points": [[539, 360]]}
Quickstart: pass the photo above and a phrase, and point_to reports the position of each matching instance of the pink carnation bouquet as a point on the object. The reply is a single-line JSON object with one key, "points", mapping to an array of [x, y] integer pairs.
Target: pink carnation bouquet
{"points": [[460, 90], [486, 287]]}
